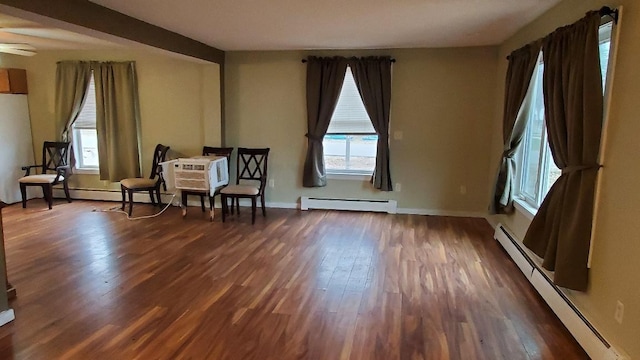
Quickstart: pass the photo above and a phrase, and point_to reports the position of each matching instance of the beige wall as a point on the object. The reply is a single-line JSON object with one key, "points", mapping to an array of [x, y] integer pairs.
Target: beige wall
{"points": [[614, 273], [179, 103], [442, 100]]}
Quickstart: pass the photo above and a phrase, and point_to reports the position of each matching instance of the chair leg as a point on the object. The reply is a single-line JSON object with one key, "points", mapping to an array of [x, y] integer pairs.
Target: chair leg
{"points": [[66, 190], [153, 201], [238, 206], [123, 196], [23, 192], [183, 199], [130, 193], [158, 196], [202, 202], [264, 210], [212, 206], [48, 189], [253, 210], [225, 206]]}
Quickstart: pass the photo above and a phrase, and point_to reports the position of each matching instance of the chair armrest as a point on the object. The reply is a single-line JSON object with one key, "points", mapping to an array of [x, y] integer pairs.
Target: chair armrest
{"points": [[28, 168]]}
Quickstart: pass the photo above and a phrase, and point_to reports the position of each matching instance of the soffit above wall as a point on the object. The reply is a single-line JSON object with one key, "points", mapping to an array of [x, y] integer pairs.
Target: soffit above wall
{"points": [[333, 24]]}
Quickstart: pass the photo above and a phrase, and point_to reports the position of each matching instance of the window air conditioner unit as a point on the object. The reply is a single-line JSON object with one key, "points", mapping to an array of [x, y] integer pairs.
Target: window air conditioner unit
{"points": [[202, 173]]}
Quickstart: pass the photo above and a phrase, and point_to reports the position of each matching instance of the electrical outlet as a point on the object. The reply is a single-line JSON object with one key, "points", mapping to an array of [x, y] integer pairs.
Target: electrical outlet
{"points": [[398, 187], [463, 190], [619, 314], [272, 183]]}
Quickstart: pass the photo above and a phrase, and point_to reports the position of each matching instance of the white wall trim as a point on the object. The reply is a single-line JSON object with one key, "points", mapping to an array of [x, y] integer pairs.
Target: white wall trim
{"points": [[525, 209], [373, 205], [436, 212], [114, 195], [351, 177], [7, 316], [580, 328]]}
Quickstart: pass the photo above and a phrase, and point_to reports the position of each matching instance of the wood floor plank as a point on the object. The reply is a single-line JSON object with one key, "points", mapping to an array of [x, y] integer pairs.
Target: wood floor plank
{"points": [[296, 285]]}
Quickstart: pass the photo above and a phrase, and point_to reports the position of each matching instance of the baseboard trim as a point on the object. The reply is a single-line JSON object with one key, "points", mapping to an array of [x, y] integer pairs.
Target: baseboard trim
{"points": [[114, 195], [7, 316], [434, 212]]}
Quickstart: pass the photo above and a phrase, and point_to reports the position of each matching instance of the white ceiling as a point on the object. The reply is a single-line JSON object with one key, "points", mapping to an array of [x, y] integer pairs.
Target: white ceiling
{"points": [[336, 24], [15, 30]]}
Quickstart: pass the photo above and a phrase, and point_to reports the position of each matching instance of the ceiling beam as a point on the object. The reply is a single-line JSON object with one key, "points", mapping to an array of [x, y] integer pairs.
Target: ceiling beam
{"points": [[99, 18]]}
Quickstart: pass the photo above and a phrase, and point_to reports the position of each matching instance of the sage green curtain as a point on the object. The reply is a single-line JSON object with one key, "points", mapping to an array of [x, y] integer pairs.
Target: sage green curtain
{"points": [[72, 81], [324, 83], [517, 101], [117, 120], [373, 78], [560, 232]]}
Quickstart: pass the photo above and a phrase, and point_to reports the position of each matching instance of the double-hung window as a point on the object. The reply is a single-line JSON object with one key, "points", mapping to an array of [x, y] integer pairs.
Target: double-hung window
{"points": [[351, 141], [85, 137], [537, 170]]}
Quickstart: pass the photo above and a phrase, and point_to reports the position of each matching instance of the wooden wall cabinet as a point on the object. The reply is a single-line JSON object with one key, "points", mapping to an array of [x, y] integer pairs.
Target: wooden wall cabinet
{"points": [[13, 81]]}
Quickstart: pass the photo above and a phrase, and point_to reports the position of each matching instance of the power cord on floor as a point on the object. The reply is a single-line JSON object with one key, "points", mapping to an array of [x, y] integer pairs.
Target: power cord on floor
{"points": [[117, 209]]}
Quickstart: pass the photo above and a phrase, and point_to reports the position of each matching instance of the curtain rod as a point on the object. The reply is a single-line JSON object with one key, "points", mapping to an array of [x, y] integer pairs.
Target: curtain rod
{"points": [[607, 11], [392, 60]]}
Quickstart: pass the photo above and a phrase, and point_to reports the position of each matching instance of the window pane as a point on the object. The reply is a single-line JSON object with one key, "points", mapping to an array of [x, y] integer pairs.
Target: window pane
{"points": [[85, 138], [87, 116], [350, 116], [535, 136], [605, 47], [553, 172], [88, 140], [350, 152]]}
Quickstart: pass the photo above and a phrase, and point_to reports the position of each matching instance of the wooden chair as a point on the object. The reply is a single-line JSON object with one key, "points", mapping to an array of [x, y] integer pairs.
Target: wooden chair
{"points": [[55, 158], [152, 184], [251, 179], [207, 151]]}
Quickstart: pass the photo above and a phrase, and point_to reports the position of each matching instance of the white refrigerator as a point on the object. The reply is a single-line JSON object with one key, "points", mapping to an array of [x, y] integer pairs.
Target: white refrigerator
{"points": [[16, 146]]}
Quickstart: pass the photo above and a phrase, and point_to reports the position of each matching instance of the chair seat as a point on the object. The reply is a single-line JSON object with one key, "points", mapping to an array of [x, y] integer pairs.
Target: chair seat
{"points": [[240, 190], [40, 179], [138, 183]]}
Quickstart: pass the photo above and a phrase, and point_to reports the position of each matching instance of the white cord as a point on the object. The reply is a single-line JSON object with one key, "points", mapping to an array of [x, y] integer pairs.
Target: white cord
{"points": [[116, 209]]}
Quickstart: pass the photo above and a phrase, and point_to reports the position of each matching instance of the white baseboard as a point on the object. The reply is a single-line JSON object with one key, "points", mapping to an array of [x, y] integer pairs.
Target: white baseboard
{"points": [[434, 212], [388, 206], [7, 316], [114, 195], [580, 328]]}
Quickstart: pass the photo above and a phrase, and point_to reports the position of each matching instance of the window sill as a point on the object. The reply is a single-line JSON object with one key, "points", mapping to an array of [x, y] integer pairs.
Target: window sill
{"points": [[525, 209], [348, 176], [86, 171]]}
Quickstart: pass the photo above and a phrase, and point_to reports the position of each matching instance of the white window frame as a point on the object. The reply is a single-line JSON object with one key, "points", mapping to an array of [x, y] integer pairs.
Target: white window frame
{"points": [[79, 167], [350, 174], [529, 203]]}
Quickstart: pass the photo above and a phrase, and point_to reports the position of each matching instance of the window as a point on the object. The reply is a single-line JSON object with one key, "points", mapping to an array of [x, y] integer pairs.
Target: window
{"points": [[538, 172], [351, 141], [85, 137]]}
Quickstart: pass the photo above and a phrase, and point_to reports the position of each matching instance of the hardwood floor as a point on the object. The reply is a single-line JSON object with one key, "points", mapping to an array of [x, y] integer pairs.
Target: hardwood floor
{"points": [[312, 285]]}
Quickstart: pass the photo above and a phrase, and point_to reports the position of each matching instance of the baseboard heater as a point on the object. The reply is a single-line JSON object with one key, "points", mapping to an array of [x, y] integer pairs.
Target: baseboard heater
{"points": [[582, 330], [388, 206]]}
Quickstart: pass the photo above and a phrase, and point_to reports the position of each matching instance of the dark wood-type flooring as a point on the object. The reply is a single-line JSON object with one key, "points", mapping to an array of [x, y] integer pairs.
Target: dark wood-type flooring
{"points": [[312, 285]]}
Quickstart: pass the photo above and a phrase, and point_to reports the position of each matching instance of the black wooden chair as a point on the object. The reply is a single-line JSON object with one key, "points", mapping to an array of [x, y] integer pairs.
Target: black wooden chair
{"points": [[207, 151], [152, 184], [251, 180], [55, 158]]}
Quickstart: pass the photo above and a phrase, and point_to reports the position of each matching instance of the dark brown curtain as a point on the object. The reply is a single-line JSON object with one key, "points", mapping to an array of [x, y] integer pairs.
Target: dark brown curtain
{"points": [[117, 120], [324, 82], [522, 63], [373, 78], [561, 230]]}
